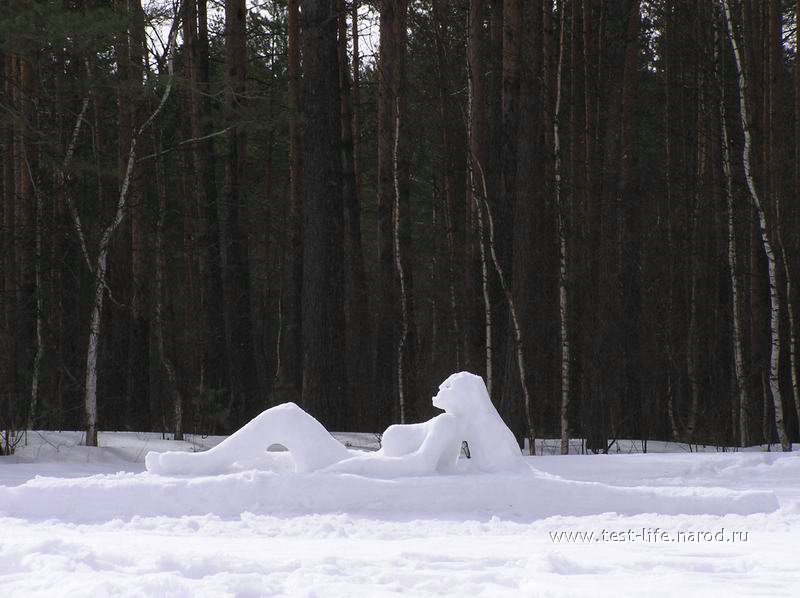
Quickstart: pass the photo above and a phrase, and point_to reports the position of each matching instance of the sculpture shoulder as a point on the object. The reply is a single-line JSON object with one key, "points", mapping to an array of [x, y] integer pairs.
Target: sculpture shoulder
{"points": [[403, 439], [444, 419], [446, 424]]}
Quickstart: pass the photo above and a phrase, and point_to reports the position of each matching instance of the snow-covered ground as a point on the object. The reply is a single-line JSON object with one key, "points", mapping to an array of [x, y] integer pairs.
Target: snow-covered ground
{"points": [[92, 522]]}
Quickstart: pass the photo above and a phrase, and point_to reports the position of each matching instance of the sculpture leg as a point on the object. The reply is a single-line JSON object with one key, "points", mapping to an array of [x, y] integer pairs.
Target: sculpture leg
{"points": [[309, 443]]}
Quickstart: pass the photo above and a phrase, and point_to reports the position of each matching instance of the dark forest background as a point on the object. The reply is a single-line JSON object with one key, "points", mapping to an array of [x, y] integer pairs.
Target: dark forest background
{"points": [[208, 208]]}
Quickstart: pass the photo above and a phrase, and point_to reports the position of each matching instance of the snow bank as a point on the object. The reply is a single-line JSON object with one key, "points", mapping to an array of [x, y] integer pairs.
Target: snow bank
{"points": [[255, 533], [408, 450], [518, 497]]}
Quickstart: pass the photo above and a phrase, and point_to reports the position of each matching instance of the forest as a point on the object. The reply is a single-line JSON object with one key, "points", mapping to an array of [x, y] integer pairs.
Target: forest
{"points": [[210, 207]]}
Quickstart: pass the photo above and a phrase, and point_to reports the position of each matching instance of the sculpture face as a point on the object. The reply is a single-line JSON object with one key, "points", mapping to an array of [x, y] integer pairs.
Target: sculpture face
{"points": [[460, 394]]}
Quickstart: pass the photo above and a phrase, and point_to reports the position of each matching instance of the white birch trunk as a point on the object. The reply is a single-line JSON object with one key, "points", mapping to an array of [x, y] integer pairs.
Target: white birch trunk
{"points": [[76, 221], [792, 336], [563, 306], [487, 304], [774, 324], [513, 311], [101, 262], [738, 350], [401, 342]]}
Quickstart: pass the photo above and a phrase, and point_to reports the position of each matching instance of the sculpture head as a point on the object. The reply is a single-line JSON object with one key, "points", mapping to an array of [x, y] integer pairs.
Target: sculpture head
{"points": [[462, 394], [492, 445]]}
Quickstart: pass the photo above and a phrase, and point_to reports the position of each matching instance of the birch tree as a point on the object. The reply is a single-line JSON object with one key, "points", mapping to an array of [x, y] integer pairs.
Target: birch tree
{"points": [[100, 265], [401, 275], [774, 297], [561, 210], [792, 324], [733, 271]]}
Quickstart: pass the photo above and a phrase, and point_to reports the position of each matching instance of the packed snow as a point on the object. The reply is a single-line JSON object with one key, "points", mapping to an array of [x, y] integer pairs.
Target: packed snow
{"points": [[406, 450], [87, 521]]}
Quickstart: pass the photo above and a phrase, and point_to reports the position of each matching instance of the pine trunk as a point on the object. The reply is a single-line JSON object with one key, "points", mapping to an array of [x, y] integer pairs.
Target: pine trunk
{"points": [[244, 401], [324, 369], [477, 163], [356, 307], [561, 211], [290, 373]]}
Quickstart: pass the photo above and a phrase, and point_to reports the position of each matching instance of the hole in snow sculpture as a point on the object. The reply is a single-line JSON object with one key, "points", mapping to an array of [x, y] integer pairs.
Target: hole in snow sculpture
{"points": [[407, 449]]}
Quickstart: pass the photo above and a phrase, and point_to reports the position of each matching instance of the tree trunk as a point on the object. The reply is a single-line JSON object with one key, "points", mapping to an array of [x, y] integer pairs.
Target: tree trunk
{"points": [[609, 339], [356, 92], [7, 279], [214, 374], [777, 147], [387, 308], [742, 385], [101, 262], [24, 236], [244, 401], [775, 336], [39, 314], [356, 308], [324, 370], [561, 211], [792, 323], [448, 178], [524, 114], [477, 133], [392, 164], [693, 341], [631, 234], [130, 62], [290, 374], [512, 47], [515, 323], [398, 263], [158, 308]]}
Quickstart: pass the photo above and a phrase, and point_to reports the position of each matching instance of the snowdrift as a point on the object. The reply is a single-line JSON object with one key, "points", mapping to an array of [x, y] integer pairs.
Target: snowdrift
{"points": [[79, 528], [517, 497], [417, 473]]}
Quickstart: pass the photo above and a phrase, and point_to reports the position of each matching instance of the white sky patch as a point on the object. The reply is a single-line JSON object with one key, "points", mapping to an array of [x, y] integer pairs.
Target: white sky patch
{"points": [[161, 14]]}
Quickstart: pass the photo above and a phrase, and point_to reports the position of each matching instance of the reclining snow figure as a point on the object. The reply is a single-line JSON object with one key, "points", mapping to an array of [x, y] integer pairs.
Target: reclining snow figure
{"points": [[407, 449]]}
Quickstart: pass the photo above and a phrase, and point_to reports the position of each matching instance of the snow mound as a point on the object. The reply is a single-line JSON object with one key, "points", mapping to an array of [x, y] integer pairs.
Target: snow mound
{"points": [[514, 496], [408, 450]]}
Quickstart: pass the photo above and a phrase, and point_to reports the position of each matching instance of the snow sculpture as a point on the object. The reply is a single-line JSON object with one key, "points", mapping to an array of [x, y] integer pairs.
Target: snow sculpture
{"points": [[307, 440], [407, 449]]}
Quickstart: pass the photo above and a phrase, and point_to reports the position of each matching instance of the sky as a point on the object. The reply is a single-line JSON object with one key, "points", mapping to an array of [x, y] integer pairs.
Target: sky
{"points": [[158, 28]]}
